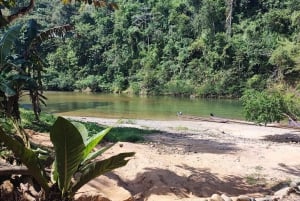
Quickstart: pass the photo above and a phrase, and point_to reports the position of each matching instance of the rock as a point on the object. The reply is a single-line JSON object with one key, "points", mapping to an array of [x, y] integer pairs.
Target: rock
{"points": [[130, 199], [282, 192], [139, 196], [216, 197], [226, 198], [87, 90], [234, 198], [6, 191], [244, 198], [295, 183], [91, 196], [26, 196], [264, 199]]}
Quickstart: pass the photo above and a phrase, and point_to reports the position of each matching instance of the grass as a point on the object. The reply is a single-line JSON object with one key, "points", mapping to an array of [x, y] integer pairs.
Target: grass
{"points": [[126, 121], [122, 134], [256, 178], [29, 121]]}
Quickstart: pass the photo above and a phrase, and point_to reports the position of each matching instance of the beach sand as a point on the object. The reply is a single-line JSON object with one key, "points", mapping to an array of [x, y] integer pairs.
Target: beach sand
{"points": [[191, 159]]}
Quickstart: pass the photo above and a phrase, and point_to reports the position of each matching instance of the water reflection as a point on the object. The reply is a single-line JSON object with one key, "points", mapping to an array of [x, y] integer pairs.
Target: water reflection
{"points": [[71, 106], [124, 106]]}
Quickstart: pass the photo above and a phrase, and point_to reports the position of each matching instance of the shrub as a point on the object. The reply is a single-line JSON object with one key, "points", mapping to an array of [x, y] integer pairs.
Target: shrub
{"points": [[263, 107]]}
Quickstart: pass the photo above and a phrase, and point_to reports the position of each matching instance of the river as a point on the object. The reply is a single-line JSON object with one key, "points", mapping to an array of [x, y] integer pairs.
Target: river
{"points": [[135, 107]]}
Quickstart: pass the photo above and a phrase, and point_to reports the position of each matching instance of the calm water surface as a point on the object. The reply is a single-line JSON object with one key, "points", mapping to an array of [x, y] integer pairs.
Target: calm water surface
{"points": [[135, 107]]}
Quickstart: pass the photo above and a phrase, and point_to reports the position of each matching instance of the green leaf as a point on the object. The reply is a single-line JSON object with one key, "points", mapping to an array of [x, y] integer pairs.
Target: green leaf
{"points": [[82, 130], [69, 150], [7, 41], [98, 168], [54, 173], [93, 141], [27, 156], [7, 90], [95, 154]]}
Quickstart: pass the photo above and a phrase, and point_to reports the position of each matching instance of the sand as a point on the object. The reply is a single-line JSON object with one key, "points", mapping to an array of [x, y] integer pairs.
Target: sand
{"points": [[192, 159]]}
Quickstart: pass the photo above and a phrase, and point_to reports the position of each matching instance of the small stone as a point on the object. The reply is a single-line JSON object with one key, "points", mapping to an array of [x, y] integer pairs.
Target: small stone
{"points": [[6, 190], [28, 197], [226, 198], [295, 183], [121, 145], [138, 196], [92, 196], [264, 199], [216, 197], [282, 192], [234, 198], [244, 198], [130, 199]]}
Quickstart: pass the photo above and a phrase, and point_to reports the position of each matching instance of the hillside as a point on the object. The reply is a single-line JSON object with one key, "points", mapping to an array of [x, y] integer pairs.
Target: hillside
{"points": [[208, 48]]}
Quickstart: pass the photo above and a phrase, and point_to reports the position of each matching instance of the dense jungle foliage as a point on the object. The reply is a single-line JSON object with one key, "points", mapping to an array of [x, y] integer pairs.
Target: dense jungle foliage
{"points": [[207, 48]]}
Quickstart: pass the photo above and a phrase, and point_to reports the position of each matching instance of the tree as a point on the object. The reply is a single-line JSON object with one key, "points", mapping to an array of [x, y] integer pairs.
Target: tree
{"points": [[267, 106], [21, 11], [7, 19], [24, 69]]}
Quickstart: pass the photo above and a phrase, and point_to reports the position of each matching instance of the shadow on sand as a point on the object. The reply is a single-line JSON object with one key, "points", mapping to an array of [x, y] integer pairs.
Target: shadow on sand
{"points": [[200, 183], [284, 138], [293, 170], [189, 143]]}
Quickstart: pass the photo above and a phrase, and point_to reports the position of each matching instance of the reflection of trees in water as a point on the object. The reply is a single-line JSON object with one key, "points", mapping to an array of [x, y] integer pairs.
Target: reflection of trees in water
{"points": [[70, 106], [122, 106]]}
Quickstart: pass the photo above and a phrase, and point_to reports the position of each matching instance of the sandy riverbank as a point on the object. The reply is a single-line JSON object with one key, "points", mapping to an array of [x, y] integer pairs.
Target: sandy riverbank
{"points": [[191, 159]]}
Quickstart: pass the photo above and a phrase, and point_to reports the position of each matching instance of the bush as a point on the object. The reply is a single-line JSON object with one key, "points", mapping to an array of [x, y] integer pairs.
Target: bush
{"points": [[93, 82], [263, 107], [179, 87]]}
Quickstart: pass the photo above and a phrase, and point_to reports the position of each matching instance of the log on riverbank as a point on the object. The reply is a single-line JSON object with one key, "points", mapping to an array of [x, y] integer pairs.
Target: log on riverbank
{"points": [[225, 120]]}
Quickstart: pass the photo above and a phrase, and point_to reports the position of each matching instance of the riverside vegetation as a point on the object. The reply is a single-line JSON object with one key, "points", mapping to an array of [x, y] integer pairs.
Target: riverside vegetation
{"points": [[205, 48], [208, 48]]}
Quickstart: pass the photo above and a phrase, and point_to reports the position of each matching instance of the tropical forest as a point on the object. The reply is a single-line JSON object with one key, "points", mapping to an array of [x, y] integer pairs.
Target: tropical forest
{"points": [[247, 51]]}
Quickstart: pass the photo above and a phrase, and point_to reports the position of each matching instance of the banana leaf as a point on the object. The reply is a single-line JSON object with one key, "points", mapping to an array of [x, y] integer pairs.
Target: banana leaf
{"points": [[7, 41], [95, 154], [98, 168], [8, 91], [92, 142], [82, 130], [27, 156], [69, 148]]}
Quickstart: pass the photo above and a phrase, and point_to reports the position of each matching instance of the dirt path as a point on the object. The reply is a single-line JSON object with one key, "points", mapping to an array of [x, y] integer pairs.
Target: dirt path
{"points": [[197, 159]]}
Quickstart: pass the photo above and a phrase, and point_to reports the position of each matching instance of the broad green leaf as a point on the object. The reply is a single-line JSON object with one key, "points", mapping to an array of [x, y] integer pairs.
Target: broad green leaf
{"points": [[27, 156], [98, 168], [69, 150], [54, 173], [95, 154], [7, 90], [93, 141], [82, 130], [7, 41]]}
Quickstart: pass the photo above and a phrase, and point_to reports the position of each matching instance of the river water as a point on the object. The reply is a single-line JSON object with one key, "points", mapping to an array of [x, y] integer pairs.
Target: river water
{"points": [[135, 107]]}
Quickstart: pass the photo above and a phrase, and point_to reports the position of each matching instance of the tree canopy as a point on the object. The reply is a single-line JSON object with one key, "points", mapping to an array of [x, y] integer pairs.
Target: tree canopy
{"points": [[207, 48], [174, 47]]}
